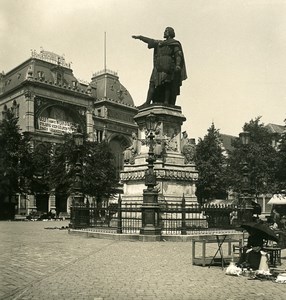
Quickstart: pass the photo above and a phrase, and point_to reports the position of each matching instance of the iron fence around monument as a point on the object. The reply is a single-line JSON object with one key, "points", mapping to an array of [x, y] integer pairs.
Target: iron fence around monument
{"points": [[178, 218]]}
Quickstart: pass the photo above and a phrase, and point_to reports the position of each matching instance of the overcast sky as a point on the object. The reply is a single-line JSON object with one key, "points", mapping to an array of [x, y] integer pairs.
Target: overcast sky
{"points": [[235, 50]]}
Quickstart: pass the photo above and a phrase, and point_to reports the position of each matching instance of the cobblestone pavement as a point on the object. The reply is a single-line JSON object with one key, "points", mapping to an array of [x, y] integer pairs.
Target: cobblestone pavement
{"points": [[39, 263]]}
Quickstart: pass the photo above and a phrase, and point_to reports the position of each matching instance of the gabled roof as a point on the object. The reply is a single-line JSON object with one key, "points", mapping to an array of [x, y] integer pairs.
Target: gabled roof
{"points": [[226, 140], [275, 128]]}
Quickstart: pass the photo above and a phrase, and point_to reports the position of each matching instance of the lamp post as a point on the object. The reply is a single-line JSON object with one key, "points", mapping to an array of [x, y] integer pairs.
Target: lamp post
{"points": [[77, 188], [80, 211], [150, 207], [246, 190]]}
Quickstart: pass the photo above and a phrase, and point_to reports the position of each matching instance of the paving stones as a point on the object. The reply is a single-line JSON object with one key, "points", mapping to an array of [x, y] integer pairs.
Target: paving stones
{"points": [[51, 264]]}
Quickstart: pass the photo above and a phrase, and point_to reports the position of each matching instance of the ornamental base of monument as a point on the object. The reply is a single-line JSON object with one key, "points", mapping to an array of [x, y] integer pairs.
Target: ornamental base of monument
{"points": [[175, 170]]}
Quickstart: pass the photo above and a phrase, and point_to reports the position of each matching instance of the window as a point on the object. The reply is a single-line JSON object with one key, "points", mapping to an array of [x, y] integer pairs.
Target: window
{"points": [[99, 135]]}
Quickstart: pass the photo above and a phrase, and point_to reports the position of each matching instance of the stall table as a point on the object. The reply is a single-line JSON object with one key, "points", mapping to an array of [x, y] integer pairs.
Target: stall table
{"points": [[220, 240]]}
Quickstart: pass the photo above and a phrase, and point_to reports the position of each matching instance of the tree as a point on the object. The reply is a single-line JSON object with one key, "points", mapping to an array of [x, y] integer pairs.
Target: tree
{"points": [[259, 156], [98, 171], [210, 163], [281, 163], [41, 168], [15, 158]]}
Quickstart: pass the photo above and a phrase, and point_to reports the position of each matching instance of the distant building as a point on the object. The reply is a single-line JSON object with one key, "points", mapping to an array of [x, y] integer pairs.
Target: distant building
{"points": [[277, 131], [226, 143], [50, 101]]}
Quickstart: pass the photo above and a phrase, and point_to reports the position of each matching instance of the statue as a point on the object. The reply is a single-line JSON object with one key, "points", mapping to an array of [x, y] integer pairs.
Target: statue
{"points": [[169, 68], [130, 152], [188, 148], [184, 140], [159, 143]]}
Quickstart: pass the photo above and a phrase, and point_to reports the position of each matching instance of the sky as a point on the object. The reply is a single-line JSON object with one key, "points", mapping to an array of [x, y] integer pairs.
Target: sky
{"points": [[235, 50]]}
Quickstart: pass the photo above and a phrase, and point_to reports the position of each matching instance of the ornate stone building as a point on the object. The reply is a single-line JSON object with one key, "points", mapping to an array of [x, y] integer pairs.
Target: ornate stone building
{"points": [[50, 101]]}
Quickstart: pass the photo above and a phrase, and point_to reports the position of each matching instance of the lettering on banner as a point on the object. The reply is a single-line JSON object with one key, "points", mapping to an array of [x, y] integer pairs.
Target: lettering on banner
{"points": [[56, 126]]}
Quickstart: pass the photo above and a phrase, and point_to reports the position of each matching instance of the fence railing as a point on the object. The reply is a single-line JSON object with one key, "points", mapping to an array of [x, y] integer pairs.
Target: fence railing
{"points": [[174, 218]]}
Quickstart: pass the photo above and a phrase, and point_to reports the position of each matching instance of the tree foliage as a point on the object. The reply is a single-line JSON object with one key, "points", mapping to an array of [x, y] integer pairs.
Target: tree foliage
{"points": [[41, 168], [210, 163], [15, 157], [281, 163], [97, 172], [259, 156]]}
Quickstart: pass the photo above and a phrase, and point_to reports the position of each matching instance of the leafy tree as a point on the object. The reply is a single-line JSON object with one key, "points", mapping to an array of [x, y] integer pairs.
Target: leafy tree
{"points": [[62, 167], [15, 157], [281, 163], [259, 156], [98, 171], [210, 163], [41, 167]]}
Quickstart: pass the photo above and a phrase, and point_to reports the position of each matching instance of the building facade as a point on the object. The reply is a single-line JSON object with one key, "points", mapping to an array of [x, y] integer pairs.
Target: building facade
{"points": [[50, 101]]}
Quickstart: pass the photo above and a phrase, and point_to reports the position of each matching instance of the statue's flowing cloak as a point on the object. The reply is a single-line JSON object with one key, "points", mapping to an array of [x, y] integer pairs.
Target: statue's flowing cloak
{"points": [[164, 62]]}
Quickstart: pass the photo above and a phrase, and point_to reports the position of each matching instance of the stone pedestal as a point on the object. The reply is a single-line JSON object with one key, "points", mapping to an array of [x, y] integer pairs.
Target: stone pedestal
{"points": [[175, 176]]}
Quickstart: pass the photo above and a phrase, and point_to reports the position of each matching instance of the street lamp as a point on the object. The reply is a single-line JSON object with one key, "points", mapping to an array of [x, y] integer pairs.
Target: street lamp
{"points": [[150, 176], [77, 188], [80, 212], [246, 190], [244, 137], [150, 206]]}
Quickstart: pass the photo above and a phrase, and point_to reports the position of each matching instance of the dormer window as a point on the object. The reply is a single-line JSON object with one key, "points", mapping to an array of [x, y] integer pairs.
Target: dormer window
{"points": [[41, 75], [74, 84], [59, 78]]}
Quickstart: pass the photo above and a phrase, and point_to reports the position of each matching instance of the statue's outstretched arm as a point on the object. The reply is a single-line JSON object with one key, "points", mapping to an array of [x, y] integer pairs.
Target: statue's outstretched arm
{"points": [[142, 38]]}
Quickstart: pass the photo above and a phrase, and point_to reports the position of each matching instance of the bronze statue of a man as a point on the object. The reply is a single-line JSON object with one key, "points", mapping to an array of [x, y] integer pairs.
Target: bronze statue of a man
{"points": [[169, 68]]}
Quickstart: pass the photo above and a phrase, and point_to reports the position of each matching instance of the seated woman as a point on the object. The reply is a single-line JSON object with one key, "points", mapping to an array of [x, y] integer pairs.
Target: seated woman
{"points": [[250, 257]]}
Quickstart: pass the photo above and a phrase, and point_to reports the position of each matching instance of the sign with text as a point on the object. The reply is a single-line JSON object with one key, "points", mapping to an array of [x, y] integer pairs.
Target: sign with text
{"points": [[56, 126]]}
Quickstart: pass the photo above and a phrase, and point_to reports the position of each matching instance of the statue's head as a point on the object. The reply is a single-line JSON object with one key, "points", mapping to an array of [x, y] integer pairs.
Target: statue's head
{"points": [[170, 32]]}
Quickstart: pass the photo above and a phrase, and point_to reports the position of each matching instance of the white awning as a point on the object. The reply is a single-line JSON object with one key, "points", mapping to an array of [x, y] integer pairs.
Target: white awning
{"points": [[278, 199]]}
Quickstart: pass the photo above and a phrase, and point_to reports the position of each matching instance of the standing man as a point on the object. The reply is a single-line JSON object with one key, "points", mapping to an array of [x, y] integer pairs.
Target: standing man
{"points": [[168, 70]]}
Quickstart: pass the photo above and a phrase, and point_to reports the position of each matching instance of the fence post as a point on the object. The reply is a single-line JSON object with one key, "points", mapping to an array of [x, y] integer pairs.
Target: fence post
{"points": [[183, 229], [119, 216]]}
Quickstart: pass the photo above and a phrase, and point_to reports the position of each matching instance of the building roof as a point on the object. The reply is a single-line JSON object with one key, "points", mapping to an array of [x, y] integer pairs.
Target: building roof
{"points": [[109, 87], [275, 128], [51, 69], [226, 140], [46, 68]]}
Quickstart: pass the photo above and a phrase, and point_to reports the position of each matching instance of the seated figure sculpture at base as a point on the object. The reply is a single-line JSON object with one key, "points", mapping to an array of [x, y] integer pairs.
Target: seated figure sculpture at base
{"points": [[168, 70], [130, 152]]}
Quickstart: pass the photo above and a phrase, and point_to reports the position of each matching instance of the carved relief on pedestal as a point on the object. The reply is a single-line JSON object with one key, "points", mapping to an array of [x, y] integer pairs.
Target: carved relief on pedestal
{"points": [[172, 137], [161, 174]]}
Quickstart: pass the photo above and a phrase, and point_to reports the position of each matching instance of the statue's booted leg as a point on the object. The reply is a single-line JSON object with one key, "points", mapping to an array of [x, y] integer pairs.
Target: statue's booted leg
{"points": [[150, 95]]}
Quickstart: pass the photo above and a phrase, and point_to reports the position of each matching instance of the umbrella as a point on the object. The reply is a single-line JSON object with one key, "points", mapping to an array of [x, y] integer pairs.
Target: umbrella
{"points": [[264, 230], [278, 199]]}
